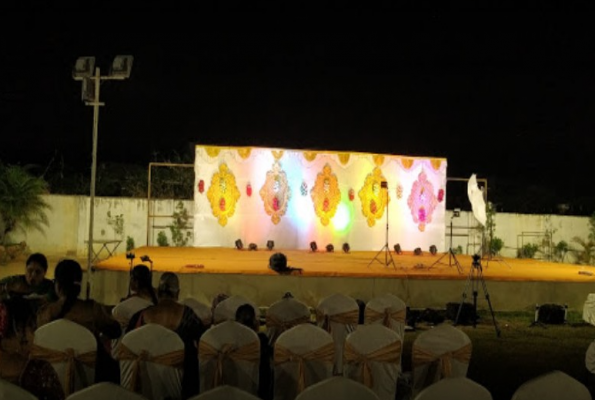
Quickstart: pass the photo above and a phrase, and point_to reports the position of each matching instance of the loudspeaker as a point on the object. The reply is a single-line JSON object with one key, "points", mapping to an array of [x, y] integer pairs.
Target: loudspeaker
{"points": [[554, 314], [467, 315]]}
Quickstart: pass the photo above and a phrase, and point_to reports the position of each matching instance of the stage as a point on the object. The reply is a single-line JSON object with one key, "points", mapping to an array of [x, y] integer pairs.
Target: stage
{"points": [[424, 281]]}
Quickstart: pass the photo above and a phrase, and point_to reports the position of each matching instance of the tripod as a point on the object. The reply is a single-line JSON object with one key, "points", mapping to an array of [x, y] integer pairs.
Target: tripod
{"points": [[475, 277], [388, 257], [451, 255]]}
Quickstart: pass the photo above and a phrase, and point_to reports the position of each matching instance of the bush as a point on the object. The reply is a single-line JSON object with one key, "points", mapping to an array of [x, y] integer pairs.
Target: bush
{"points": [[527, 251], [162, 239]]}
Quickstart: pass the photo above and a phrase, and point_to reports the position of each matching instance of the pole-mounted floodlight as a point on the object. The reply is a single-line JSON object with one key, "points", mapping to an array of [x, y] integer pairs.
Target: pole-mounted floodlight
{"points": [[84, 70]]}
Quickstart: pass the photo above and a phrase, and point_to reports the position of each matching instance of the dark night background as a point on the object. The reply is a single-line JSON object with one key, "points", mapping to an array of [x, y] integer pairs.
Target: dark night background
{"points": [[506, 95]]}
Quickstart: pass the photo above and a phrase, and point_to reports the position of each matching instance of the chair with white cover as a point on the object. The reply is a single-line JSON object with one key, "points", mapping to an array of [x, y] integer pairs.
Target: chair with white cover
{"points": [[226, 310], [338, 314], [283, 315], [388, 310], [339, 388], [225, 392], [441, 352], [10, 391], [124, 311], [151, 362], [71, 349], [202, 311], [229, 354], [589, 309], [457, 388], [304, 355], [552, 385], [373, 357], [105, 390]]}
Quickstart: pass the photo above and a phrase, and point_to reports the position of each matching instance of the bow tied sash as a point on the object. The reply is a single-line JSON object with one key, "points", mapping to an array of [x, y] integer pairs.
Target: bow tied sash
{"points": [[249, 352], [67, 356], [324, 354], [422, 357], [386, 316], [173, 359], [390, 354], [346, 318], [272, 321]]}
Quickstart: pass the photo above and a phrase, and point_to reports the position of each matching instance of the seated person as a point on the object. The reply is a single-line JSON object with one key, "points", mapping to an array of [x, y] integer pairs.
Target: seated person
{"points": [[246, 315], [278, 263], [32, 284], [179, 318], [141, 284]]}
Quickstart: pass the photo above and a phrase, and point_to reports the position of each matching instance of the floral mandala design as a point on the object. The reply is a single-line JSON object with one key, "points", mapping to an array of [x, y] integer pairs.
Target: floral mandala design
{"points": [[373, 198], [223, 194], [275, 193], [422, 201], [326, 195]]}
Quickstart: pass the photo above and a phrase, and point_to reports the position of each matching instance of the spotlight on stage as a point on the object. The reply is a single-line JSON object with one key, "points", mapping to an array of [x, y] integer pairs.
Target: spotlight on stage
{"points": [[239, 244], [418, 251], [313, 246], [252, 246], [270, 244], [433, 250], [330, 248], [398, 249], [456, 213], [346, 248]]}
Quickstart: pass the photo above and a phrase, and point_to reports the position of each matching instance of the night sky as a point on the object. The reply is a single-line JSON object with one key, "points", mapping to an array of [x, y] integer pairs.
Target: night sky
{"points": [[509, 96]]}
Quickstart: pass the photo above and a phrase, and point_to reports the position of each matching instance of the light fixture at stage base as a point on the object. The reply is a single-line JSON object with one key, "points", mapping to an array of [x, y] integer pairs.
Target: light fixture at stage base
{"points": [[313, 246], [398, 249], [418, 251], [270, 244], [346, 248], [330, 248], [433, 250], [252, 246], [239, 244]]}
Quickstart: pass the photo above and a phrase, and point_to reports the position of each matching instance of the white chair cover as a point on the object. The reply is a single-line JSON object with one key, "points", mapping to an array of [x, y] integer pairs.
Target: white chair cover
{"points": [[229, 354], [225, 392], [283, 315], [441, 352], [304, 355], [226, 310], [589, 309], [10, 391], [103, 391], [337, 387], [202, 310], [151, 362], [458, 388], [590, 358], [554, 385], [123, 312], [338, 314], [388, 310], [373, 357], [61, 337]]}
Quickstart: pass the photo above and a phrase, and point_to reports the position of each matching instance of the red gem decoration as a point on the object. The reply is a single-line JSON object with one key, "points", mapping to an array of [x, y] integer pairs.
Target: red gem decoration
{"points": [[325, 205], [373, 207], [249, 190], [440, 195], [222, 204], [421, 214], [275, 203], [201, 186], [351, 194]]}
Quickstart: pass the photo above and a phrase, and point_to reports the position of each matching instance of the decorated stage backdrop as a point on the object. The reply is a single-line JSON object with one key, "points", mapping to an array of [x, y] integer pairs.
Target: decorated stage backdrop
{"points": [[294, 197]]}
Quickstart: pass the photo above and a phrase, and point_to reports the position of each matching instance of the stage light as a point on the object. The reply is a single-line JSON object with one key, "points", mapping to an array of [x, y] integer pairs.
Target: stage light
{"points": [[433, 250], [313, 246], [346, 247], [252, 246], [418, 251], [456, 213], [398, 249], [330, 248], [270, 244], [239, 244]]}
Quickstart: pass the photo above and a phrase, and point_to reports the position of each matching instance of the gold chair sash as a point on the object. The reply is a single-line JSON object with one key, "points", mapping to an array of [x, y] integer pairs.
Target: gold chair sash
{"points": [[385, 316], [390, 354], [421, 357], [173, 359], [325, 354], [249, 352], [273, 321], [67, 356], [346, 318]]}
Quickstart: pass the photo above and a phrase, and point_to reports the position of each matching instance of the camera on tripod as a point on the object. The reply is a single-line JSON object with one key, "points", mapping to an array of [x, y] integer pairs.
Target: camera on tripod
{"points": [[476, 261], [130, 256]]}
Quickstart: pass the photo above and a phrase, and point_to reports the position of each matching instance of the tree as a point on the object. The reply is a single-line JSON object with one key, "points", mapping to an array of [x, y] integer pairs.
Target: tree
{"points": [[21, 203]]}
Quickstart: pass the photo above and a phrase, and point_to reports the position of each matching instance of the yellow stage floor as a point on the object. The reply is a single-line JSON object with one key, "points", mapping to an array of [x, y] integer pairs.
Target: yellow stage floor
{"points": [[192, 260]]}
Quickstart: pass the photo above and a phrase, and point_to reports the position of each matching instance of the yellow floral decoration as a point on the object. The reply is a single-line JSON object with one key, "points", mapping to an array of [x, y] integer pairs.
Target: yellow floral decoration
{"points": [[326, 195], [213, 151], [373, 198], [310, 155], [244, 152], [275, 193], [223, 194]]}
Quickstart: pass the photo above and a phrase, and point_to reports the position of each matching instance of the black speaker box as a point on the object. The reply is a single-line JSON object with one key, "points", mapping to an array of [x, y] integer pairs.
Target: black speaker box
{"points": [[467, 316], [554, 314]]}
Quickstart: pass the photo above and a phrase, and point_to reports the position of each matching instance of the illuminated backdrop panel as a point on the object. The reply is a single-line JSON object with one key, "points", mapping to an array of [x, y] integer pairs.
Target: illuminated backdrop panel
{"points": [[294, 197]]}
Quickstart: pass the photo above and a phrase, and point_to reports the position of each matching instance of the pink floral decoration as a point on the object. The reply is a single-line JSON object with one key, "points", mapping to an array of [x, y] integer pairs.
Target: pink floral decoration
{"points": [[422, 202], [441, 195]]}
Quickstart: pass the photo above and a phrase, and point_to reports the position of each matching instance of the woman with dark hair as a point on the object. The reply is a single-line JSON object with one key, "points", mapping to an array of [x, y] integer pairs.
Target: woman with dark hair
{"points": [[141, 284], [32, 284]]}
